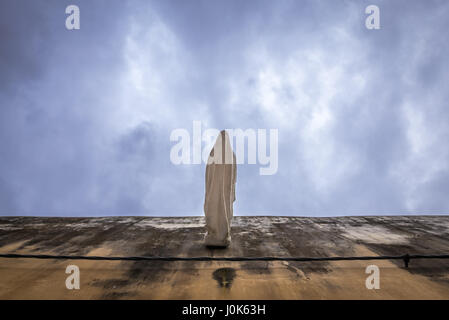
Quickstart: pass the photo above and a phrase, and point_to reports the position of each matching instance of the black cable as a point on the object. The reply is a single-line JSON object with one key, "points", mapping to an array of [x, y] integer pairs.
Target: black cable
{"points": [[406, 258]]}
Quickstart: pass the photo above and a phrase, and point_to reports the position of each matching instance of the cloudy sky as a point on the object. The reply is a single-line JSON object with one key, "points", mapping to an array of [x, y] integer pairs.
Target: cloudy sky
{"points": [[86, 115]]}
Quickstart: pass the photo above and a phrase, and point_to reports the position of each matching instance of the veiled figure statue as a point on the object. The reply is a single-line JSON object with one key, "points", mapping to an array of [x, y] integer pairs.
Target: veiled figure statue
{"points": [[221, 172]]}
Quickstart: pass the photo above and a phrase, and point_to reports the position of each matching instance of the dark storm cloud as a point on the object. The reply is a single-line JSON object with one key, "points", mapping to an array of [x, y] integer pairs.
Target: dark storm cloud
{"points": [[86, 115]]}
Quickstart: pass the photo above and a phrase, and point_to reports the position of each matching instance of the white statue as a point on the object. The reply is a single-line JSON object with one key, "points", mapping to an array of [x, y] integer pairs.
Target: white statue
{"points": [[221, 171]]}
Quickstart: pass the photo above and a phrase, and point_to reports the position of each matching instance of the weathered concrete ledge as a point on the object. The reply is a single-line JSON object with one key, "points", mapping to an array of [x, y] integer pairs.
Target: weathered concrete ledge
{"points": [[251, 236]]}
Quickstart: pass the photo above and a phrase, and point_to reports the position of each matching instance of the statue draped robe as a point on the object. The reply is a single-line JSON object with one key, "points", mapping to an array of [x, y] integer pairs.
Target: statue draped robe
{"points": [[221, 171]]}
